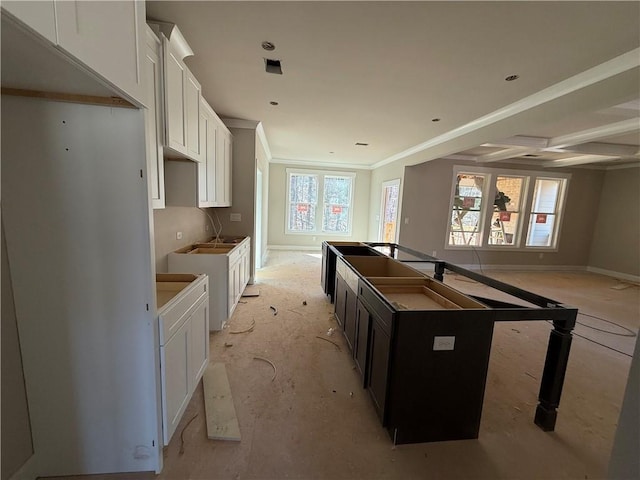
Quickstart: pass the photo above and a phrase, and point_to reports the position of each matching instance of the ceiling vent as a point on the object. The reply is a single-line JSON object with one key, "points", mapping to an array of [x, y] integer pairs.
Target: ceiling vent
{"points": [[358, 144], [532, 155], [272, 66]]}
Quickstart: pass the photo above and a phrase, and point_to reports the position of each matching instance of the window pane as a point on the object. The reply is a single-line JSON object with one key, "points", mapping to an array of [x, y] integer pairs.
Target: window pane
{"points": [[466, 226], [302, 217], [504, 226], [335, 219], [542, 222], [337, 190], [303, 188], [506, 208], [541, 230], [545, 195]]}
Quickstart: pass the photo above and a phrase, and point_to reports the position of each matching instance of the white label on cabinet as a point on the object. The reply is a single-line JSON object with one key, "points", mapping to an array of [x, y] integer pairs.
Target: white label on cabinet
{"points": [[443, 343]]}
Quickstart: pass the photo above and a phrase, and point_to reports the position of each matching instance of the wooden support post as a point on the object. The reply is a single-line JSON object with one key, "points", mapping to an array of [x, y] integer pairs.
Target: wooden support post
{"points": [[555, 367]]}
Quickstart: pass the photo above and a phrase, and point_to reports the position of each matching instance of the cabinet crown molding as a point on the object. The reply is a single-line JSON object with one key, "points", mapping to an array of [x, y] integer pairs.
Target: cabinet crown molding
{"points": [[175, 37]]}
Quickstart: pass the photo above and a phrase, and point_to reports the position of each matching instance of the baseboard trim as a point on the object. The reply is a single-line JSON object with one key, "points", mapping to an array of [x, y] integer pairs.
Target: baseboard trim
{"points": [[28, 470], [295, 247], [619, 275], [549, 268]]}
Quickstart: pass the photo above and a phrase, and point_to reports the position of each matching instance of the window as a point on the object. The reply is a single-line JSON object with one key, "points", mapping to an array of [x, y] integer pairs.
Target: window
{"points": [[492, 208], [304, 187]]}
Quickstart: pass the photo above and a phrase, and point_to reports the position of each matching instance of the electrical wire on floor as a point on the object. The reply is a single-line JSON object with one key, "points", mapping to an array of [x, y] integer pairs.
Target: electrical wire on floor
{"points": [[598, 343], [478, 256], [630, 333]]}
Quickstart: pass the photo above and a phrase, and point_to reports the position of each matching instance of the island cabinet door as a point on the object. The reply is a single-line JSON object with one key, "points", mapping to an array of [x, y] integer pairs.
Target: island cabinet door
{"points": [[362, 327], [378, 365], [340, 299], [350, 310]]}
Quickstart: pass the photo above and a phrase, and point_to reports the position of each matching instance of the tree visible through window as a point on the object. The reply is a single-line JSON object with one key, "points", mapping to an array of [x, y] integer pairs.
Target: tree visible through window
{"points": [[303, 198], [303, 194]]}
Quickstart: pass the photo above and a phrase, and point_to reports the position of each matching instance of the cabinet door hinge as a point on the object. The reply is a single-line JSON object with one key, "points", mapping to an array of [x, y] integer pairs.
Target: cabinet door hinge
{"points": [[147, 307], [141, 175]]}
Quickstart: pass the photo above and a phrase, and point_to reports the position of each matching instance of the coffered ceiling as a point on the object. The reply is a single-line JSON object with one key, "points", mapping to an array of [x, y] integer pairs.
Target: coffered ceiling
{"points": [[381, 73]]}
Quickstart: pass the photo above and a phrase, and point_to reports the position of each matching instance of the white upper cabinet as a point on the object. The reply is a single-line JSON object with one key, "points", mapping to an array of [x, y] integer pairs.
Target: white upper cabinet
{"points": [[108, 38], [222, 194], [153, 118], [182, 93], [206, 168], [39, 16], [192, 99]]}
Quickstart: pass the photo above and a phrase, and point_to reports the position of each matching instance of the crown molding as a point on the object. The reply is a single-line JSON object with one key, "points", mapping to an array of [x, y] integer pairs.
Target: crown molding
{"points": [[312, 163], [241, 123]]}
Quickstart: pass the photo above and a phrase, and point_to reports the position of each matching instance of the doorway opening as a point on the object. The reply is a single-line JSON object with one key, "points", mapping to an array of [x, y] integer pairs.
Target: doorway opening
{"points": [[389, 211]]}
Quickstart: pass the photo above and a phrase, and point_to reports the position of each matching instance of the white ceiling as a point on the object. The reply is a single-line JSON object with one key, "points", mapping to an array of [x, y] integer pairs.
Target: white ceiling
{"points": [[379, 72]]}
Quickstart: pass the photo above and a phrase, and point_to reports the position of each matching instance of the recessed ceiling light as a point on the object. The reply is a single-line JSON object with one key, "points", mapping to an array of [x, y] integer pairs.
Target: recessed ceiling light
{"points": [[273, 103], [359, 144], [435, 119], [268, 46], [511, 78]]}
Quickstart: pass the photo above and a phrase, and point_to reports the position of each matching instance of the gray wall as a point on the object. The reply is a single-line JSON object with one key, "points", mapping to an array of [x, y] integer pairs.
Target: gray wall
{"points": [[616, 237], [277, 208], [16, 429], [193, 224], [425, 202]]}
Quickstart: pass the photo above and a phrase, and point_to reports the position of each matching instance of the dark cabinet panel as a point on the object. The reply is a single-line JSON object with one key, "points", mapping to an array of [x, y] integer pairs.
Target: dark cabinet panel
{"points": [[340, 299], [363, 322], [351, 307], [379, 345]]}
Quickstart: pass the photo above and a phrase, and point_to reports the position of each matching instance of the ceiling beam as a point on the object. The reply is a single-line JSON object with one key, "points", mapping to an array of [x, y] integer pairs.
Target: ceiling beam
{"points": [[579, 160], [596, 148], [504, 154], [603, 131], [520, 141]]}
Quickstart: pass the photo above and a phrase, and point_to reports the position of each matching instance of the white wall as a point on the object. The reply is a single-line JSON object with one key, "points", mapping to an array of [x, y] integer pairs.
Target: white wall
{"points": [[278, 209]]}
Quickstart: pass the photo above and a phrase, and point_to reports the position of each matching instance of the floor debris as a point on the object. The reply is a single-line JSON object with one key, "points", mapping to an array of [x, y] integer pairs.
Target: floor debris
{"points": [[228, 344], [222, 421], [250, 329], [304, 302], [275, 370], [275, 310], [182, 434], [527, 373], [330, 341]]}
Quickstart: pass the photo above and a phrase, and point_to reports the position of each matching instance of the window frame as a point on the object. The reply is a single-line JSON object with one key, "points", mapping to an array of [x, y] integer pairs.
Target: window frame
{"points": [[320, 201], [486, 211]]}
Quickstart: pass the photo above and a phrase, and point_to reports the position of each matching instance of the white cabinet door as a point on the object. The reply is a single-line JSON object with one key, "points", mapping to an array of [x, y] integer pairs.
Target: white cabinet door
{"points": [[206, 168], [176, 380], [39, 16], [199, 343], [153, 119], [223, 168], [192, 116], [175, 77], [108, 38]]}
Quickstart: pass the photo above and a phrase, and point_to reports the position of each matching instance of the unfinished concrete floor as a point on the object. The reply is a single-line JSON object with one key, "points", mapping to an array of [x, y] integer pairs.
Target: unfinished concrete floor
{"points": [[314, 421]]}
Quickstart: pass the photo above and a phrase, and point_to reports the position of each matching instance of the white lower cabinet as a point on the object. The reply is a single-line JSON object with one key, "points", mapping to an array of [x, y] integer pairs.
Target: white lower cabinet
{"points": [[227, 266], [183, 315]]}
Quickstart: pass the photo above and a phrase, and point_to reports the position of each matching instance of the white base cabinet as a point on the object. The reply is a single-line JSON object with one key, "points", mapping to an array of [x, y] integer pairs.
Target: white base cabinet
{"points": [[184, 342], [228, 268]]}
